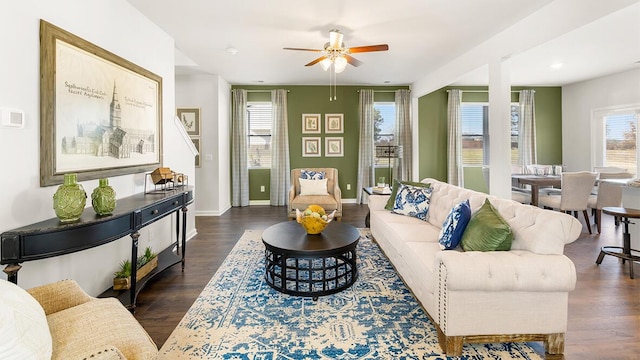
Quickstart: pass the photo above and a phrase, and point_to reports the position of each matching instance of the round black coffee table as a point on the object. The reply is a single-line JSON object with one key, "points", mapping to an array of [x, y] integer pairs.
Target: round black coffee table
{"points": [[310, 265]]}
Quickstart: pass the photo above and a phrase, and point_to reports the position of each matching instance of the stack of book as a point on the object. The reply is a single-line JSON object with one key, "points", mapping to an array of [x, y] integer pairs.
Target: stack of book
{"points": [[381, 190]]}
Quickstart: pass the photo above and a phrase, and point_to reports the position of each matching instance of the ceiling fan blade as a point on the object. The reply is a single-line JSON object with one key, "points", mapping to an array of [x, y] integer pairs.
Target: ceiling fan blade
{"points": [[353, 61], [368, 48], [316, 61], [301, 49]]}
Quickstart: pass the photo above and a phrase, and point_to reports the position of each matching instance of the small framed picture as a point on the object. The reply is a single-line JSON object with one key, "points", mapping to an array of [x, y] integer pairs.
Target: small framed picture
{"points": [[311, 124], [333, 123], [196, 143], [190, 118], [311, 147], [334, 146]]}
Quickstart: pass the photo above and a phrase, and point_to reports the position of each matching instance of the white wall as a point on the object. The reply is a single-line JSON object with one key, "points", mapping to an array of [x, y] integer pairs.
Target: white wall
{"points": [[578, 102], [119, 28], [211, 94]]}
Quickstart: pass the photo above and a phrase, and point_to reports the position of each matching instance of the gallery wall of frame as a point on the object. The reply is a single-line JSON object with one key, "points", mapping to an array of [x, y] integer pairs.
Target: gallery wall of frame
{"points": [[191, 119], [312, 145]]}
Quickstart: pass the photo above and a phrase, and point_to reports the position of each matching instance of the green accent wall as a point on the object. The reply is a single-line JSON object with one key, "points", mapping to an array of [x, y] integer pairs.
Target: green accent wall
{"points": [[315, 100], [432, 131]]}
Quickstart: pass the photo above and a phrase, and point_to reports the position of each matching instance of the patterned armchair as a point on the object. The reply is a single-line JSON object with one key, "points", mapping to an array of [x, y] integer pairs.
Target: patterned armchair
{"points": [[299, 199]]}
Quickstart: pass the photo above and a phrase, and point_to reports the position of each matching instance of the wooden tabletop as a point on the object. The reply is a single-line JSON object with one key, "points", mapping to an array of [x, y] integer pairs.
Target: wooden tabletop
{"points": [[623, 212]]}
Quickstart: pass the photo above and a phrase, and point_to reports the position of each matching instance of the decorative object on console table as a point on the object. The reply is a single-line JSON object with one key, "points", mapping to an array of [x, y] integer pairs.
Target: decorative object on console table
{"points": [[103, 198], [389, 152], [69, 200]]}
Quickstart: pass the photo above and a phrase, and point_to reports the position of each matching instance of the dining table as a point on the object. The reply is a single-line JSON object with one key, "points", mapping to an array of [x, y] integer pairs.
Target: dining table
{"points": [[536, 182]]}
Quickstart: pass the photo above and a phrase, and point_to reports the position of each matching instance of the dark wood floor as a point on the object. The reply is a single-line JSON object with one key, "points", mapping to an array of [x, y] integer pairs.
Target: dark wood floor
{"points": [[604, 310]]}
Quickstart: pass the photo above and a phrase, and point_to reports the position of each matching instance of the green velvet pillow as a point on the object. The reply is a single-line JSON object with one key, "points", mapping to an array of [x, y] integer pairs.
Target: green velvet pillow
{"points": [[487, 231], [394, 191]]}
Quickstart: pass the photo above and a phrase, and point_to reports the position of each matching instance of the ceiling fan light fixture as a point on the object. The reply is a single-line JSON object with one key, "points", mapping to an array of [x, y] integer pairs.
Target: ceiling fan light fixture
{"points": [[326, 64], [340, 63], [335, 38]]}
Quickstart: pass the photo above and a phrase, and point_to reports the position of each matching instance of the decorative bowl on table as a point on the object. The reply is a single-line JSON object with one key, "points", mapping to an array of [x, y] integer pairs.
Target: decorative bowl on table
{"points": [[314, 219]]}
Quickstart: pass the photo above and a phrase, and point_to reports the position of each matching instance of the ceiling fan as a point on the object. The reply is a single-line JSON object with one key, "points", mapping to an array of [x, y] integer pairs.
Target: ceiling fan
{"points": [[336, 54]]}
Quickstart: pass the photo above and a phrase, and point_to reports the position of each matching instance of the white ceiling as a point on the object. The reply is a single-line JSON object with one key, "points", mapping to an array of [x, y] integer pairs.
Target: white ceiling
{"points": [[423, 36]]}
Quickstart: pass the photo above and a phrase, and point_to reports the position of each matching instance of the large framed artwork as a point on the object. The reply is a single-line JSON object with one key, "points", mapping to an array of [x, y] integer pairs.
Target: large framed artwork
{"points": [[100, 114], [190, 118]]}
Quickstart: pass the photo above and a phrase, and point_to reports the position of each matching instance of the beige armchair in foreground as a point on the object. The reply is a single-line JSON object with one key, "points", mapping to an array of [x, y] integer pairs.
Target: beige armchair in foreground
{"points": [[310, 193], [60, 321]]}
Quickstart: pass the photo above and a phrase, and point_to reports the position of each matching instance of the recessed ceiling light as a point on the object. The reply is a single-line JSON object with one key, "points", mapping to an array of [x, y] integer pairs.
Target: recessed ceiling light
{"points": [[387, 81], [258, 81], [232, 50], [557, 65]]}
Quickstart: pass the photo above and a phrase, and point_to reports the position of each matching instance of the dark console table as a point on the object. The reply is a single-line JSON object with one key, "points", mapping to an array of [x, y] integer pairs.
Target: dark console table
{"points": [[51, 238]]}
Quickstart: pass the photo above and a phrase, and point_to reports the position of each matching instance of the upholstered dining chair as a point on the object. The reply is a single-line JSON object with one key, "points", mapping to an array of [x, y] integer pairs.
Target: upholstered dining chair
{"points": [[574, 195], [303, 193], [607, 193]]}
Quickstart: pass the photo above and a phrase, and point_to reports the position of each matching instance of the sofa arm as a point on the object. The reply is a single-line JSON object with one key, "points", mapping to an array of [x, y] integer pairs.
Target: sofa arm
{"points": [[378, 202], [59, 295], [515, 270]]}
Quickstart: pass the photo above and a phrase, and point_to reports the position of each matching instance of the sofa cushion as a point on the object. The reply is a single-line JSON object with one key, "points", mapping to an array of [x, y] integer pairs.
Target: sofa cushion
{"points": [[487, 231], [23, 325], [312, 174], [78, 331], [313, 187], [454, 225], [394, 191], [412, 201]]}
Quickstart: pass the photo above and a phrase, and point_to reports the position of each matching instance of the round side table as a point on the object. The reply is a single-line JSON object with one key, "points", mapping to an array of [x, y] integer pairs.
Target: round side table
{"points": [[625, 252]]}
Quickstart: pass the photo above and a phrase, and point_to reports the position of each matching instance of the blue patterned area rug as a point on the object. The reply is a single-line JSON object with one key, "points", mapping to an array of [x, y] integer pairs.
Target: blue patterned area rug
{"points": [[239, 316]]}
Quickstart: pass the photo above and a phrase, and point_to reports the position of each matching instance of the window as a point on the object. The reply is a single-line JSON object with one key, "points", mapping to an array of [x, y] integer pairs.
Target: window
{"points": [[259, 120], [475, 125], [621, 141], [384, 127]]}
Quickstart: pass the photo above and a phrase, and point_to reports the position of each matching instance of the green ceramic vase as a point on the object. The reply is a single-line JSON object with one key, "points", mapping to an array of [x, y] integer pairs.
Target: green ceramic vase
{"points": [[69, 200], [103, 198]]}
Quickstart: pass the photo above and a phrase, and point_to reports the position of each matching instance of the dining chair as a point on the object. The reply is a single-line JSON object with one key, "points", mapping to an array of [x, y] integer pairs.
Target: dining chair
{"points": [[609, 169], [607, 194], [574, 195]]}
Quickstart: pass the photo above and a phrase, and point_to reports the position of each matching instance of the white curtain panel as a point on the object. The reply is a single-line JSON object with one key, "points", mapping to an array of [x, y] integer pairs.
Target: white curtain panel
{"points": [[527, 129], [403, 135], [280, 177], [239, 169], [454, 162], [366, 171]]}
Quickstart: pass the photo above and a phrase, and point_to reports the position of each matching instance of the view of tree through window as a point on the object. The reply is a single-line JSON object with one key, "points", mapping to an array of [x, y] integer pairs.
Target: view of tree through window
{"points": [[621, 141], [475, 124], [384, 126], [259, 116]]}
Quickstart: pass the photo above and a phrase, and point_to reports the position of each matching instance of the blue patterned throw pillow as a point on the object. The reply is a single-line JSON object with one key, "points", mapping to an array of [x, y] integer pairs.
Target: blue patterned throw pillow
{"points": [[413, 201], [454, 225], [312, 175]]}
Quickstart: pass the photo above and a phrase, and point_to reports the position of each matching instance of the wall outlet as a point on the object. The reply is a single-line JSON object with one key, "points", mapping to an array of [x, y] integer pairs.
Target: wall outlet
{"points": [[348, 186], [262, 188]]}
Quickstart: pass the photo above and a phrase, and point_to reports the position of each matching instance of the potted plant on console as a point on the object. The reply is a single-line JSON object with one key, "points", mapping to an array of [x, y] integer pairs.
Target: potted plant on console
{"points": [[145, 264]]}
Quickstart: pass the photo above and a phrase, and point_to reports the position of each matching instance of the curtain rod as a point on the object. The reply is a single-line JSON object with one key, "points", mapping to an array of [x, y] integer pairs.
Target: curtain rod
{"points": [[264, 90], [390, 91], [483, 91]]}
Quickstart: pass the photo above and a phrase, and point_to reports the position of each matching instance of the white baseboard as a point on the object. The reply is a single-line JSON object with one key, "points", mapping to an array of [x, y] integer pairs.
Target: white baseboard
{"points": [[212, 213]]}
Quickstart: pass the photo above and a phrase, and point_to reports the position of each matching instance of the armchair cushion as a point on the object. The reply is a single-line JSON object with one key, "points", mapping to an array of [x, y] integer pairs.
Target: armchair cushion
{"points": [[313, 187], [23, 325]]}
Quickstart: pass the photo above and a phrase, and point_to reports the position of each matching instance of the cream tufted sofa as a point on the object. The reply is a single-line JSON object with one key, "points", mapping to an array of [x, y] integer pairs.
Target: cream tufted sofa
{"points": [[516, 295]]}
